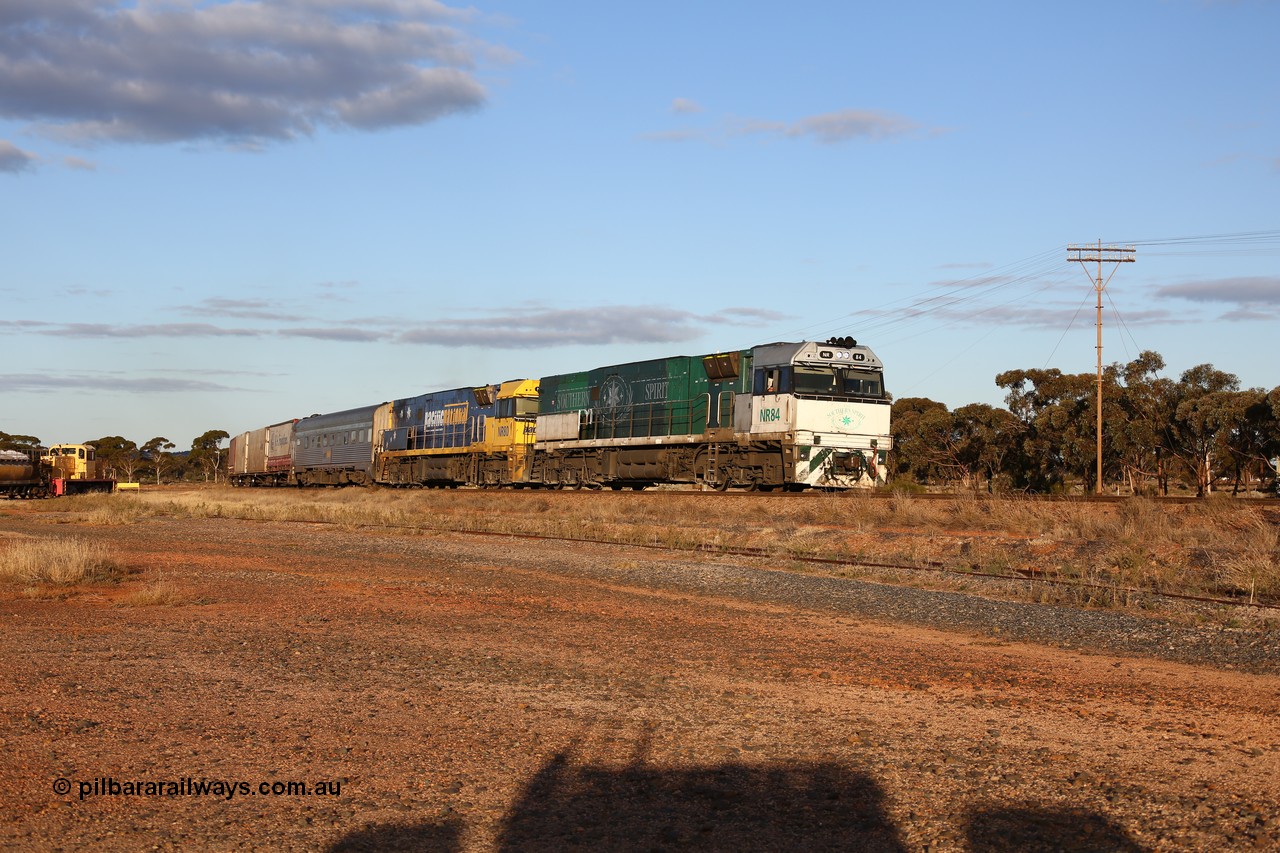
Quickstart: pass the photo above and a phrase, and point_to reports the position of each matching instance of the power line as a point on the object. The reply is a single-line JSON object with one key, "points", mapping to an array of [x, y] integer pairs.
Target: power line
{"points": [[1101, 255]]}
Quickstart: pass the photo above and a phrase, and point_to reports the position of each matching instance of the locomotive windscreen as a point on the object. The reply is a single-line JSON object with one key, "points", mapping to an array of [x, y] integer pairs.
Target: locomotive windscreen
{"points": [[837, 382]]}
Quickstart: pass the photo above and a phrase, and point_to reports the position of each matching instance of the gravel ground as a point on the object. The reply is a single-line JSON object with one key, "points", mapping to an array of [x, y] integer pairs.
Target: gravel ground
{"points": [[488, 693]]}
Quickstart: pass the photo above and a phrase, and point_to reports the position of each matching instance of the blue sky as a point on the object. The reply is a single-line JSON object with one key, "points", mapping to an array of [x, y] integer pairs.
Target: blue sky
{"points": [[222, 215]]}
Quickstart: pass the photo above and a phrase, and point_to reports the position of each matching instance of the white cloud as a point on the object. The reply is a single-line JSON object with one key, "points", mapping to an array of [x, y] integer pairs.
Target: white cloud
{"points": [[13, 159], [827, 128], [1244, 290], [153, 330], [40, 383], [1251, 297], [609, 324], [348, 335], [246, 72], [839, 126]]}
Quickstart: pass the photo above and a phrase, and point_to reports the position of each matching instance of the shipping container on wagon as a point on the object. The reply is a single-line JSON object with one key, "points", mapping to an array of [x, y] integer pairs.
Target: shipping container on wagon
{"points": [[262, 457], [335, 449], [236, 461], [280, 448], [668, 398], [256, 451]]}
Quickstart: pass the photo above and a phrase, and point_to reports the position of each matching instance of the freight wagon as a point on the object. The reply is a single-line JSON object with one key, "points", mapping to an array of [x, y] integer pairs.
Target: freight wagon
{"points": [[21, 475], [262, 457]]}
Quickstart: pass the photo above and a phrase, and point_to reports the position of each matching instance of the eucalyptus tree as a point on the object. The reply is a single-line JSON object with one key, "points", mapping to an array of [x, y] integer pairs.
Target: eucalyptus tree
{"points": [[154, 450], [1248, 434], [206, 452], [1140, 431], [989, 438], [1056, 411], [1203, 402], [119, 454], [18, 442], [913, 420]]}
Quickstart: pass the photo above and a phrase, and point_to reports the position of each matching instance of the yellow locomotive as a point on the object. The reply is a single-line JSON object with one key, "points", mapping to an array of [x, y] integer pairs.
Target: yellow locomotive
{"points": [[75, 469], [63, 469]]}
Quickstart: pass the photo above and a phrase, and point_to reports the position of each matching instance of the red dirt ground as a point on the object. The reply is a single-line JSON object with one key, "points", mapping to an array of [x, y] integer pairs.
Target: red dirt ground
{"points": [[468, 693]]}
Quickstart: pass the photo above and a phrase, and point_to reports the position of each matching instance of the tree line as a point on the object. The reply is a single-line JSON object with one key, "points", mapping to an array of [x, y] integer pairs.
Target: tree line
{"points": [[127, 460], [1195, 431]]}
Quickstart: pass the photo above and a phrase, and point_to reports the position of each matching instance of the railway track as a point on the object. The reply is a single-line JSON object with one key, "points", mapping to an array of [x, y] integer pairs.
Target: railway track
{"points": [[1024, 575], [885, 494]]}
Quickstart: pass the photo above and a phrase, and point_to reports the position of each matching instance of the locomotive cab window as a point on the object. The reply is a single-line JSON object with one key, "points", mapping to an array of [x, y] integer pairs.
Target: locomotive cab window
{"points": [[821, 381], [773, 380], [860, 383], [837, 382]]}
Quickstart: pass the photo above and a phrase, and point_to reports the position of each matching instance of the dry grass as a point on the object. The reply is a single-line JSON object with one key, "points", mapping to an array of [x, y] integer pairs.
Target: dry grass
{"points": [[1217, 547], [155, 593], [58, 561]]}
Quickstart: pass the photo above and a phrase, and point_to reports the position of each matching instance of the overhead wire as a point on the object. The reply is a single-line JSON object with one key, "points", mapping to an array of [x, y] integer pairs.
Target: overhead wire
{"points": [[1063, 336], [967, 299]]}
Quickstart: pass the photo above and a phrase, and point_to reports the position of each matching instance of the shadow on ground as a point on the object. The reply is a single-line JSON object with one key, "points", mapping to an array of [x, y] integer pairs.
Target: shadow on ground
{"points": [[1006, 830], [801, 807]]}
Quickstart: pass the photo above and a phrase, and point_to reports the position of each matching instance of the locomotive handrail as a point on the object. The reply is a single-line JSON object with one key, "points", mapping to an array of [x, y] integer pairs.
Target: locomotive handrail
{"points": [[720, 409], [654, 418], [841, 398]]}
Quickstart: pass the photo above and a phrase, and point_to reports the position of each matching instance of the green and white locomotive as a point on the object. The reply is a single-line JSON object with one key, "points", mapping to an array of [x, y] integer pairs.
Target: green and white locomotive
{"points": [[789, 415]]}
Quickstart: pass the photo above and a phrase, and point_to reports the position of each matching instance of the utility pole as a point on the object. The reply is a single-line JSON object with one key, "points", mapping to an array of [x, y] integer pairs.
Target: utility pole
{"points": [[1102, 255]]}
